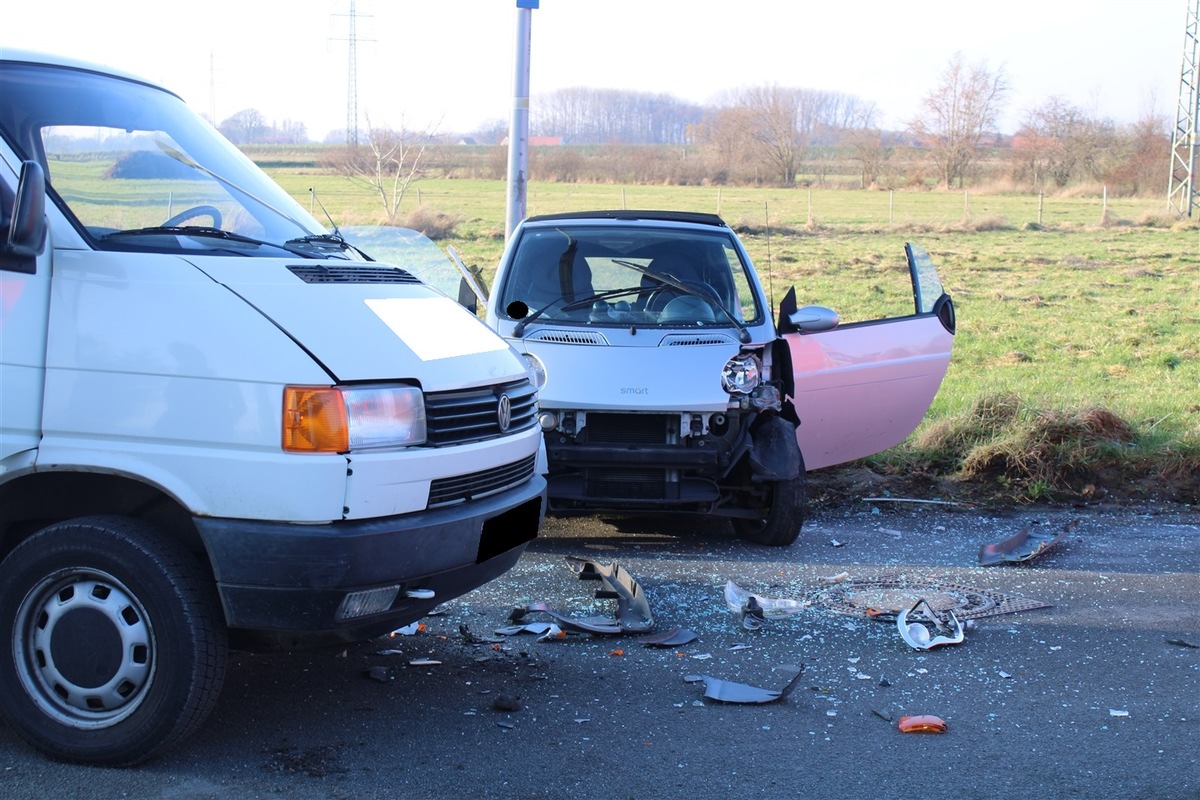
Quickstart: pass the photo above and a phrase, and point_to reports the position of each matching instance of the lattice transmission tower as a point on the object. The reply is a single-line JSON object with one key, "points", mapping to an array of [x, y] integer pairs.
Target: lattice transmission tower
{"points": [[352, 81], [1183, 191]]}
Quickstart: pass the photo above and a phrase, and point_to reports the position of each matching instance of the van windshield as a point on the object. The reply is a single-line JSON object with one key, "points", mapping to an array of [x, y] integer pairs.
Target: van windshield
{"points": [[136, 169], [628, 275]]}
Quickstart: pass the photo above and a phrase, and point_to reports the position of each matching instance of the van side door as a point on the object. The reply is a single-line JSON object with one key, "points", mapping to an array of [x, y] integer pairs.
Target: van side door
{"points": [[24, 310]]}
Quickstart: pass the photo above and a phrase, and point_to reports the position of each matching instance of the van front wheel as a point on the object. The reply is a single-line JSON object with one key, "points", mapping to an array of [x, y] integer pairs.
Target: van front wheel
{"points": [[113, 639]]}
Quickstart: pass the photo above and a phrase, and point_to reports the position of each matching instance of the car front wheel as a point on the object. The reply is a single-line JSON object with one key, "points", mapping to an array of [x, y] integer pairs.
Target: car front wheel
{"points": [[114, 644], [781, 514]]}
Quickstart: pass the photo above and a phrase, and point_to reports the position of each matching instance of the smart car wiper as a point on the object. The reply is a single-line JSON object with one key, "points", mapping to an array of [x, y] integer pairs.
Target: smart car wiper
{"points": [[694, 291], [523, 323], [580, 303]]}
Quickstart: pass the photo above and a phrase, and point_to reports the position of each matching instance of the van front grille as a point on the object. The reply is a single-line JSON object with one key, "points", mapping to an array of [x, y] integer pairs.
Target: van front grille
{"points": [[473, 415]]}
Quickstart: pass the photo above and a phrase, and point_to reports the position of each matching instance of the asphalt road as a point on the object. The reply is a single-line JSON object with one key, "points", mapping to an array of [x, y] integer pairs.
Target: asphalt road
{"points": [[1085, 687]]}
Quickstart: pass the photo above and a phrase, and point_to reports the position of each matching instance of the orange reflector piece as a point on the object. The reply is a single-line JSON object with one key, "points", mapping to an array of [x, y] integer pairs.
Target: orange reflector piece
{"points": [[922, 723], [617, 652]]}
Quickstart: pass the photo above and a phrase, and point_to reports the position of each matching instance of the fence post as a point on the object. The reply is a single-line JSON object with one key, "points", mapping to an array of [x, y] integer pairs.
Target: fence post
{"points": [[891, 206]]}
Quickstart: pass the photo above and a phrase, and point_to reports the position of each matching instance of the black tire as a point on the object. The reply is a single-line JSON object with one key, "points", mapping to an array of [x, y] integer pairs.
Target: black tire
{"points": [[113, 641], [782, 514]]}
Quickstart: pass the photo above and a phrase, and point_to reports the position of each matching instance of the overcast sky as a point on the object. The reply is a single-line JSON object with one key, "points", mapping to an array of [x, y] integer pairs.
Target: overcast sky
{"points": [[449, 63]]}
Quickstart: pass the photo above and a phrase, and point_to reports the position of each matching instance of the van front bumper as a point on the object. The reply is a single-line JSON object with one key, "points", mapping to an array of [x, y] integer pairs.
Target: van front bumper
{"points": [[287, 582]]}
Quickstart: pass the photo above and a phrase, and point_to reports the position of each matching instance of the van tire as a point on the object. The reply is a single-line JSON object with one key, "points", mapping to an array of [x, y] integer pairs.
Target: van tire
{"points": [[112, 641], [782, 517]]}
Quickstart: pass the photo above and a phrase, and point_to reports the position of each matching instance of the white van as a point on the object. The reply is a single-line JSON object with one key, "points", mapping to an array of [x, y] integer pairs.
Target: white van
{"points": [[219, 424]]}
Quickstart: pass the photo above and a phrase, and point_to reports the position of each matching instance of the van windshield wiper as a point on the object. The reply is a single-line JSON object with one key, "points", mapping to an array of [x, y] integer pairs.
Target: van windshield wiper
{"points": [[319, 242], [204, 231]]}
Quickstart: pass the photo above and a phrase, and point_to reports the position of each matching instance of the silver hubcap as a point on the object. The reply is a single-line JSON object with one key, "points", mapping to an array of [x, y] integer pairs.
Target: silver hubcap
{"points": [[85, 648]]}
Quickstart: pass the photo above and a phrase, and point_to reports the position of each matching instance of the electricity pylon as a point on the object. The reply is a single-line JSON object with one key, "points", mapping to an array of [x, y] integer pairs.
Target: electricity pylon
{"points": [[1182, 191]]}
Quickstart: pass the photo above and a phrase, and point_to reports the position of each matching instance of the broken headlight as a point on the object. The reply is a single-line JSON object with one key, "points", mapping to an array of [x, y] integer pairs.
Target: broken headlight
{"points": [[741, 374]]}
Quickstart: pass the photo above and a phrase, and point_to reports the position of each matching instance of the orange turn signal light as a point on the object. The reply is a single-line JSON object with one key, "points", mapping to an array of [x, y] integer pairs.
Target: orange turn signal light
{"points": [[314, 420], [922, 723]]}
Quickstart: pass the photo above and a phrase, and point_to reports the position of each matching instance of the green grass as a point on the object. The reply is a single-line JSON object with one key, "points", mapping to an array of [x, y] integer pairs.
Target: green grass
{"points": [[1065, 305]]}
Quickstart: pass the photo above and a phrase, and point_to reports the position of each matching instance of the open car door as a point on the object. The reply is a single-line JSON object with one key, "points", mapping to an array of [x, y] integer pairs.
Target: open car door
{"points": [[864, 387]]}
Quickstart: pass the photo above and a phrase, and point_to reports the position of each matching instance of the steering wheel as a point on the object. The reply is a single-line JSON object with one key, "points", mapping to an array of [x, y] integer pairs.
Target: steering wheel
{"points": [[195, 211], [659, 298]]}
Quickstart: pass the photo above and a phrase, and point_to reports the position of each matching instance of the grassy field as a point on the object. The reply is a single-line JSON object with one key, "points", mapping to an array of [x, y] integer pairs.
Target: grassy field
{"points": [[1076, 370]]}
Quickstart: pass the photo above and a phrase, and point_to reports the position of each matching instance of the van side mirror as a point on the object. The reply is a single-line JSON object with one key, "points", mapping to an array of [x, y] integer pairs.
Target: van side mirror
{"points": [[25, 236]]}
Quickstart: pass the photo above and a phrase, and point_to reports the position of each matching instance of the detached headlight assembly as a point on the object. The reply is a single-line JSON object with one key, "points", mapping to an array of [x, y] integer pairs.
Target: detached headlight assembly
{"points": [[340, 419], [741, 374]]}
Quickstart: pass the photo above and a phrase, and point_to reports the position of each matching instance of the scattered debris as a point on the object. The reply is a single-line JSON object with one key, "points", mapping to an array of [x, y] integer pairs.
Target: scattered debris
{"points": [[424, 662], [381, 674], [753, 618], [409, 630], [729, 692], [537, 628], [676, 637], [836, 543], [1022, 546], [603, 625], [506, 701], [738, 598], [841, 577], [882, 716], [922, 723], [633, 612], [921, 636], [1182, 643], [1118, 712], [470, 637]]}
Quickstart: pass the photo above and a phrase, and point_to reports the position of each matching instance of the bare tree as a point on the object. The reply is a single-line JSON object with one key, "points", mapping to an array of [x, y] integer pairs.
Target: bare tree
{"points": [[957, 113], [774, 113], [245, 127], [726, 139], [1058, 142], [387, 163], [868, 148]]}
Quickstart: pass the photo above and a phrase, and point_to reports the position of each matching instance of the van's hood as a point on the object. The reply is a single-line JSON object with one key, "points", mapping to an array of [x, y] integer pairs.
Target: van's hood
{"points": [[364, 327]]}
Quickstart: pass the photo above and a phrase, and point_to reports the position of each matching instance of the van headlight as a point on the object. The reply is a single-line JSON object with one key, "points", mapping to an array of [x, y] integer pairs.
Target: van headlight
{"points": [[340, 419], [741, 374]]}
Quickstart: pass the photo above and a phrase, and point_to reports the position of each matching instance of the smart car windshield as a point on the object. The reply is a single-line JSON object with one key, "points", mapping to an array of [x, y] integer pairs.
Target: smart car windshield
{"points": [[628, 275], [137, 169]]}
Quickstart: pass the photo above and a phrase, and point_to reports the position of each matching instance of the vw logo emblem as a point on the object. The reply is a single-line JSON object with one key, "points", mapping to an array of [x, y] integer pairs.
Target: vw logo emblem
{"points": [[504, 413]]}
